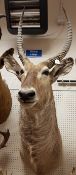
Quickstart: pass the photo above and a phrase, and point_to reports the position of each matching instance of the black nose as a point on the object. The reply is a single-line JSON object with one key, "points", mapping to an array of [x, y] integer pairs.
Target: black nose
{"points": [[26, 96]]}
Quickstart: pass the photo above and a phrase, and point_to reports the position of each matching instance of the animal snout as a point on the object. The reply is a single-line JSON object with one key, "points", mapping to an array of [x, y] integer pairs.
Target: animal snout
{"points": [[27, 95]]}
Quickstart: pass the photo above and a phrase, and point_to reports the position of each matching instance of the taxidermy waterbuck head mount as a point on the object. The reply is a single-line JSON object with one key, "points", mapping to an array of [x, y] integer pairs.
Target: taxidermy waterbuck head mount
{"points": [[36, 80]]}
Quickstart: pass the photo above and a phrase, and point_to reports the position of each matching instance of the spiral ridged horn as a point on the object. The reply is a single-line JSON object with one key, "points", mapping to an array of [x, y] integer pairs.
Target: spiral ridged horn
{"points": [[51, 61], [22, 57]]}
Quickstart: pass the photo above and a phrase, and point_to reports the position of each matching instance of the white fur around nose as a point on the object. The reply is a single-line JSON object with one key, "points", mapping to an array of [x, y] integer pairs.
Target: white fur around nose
{"points": [[27, 89]]}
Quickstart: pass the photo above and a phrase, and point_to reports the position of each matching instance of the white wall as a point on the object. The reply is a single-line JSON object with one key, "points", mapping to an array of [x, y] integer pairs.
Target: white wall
{"points": [[51, 44]]}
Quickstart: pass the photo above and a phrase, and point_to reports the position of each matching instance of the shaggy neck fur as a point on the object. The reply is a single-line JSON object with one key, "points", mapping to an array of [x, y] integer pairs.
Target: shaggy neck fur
{"points": [[40, 137]]}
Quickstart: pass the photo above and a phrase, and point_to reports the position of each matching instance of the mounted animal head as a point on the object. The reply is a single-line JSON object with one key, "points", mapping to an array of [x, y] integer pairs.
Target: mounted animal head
{"points": [[37, 80]]}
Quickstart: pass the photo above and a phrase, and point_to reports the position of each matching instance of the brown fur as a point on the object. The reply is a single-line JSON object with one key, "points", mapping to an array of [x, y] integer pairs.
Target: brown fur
{"points": [[5, 101], [41, 145], [41, 140]]}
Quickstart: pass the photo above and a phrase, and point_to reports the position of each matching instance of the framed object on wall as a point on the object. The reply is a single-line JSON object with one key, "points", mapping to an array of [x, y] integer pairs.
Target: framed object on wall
{"points": [[35, 19]]}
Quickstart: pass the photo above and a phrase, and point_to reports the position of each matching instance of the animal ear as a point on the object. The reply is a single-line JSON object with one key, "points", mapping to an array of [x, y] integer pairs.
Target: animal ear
{"points": [[10, 52], [62, 69], [11, 64]]}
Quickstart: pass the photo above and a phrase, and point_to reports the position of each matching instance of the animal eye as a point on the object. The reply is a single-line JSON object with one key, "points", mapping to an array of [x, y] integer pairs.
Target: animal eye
{"points": [[45, 72]]}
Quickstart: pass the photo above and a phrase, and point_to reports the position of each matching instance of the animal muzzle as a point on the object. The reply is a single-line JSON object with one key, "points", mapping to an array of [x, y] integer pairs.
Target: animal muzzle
{"points": [[27, 96]]}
